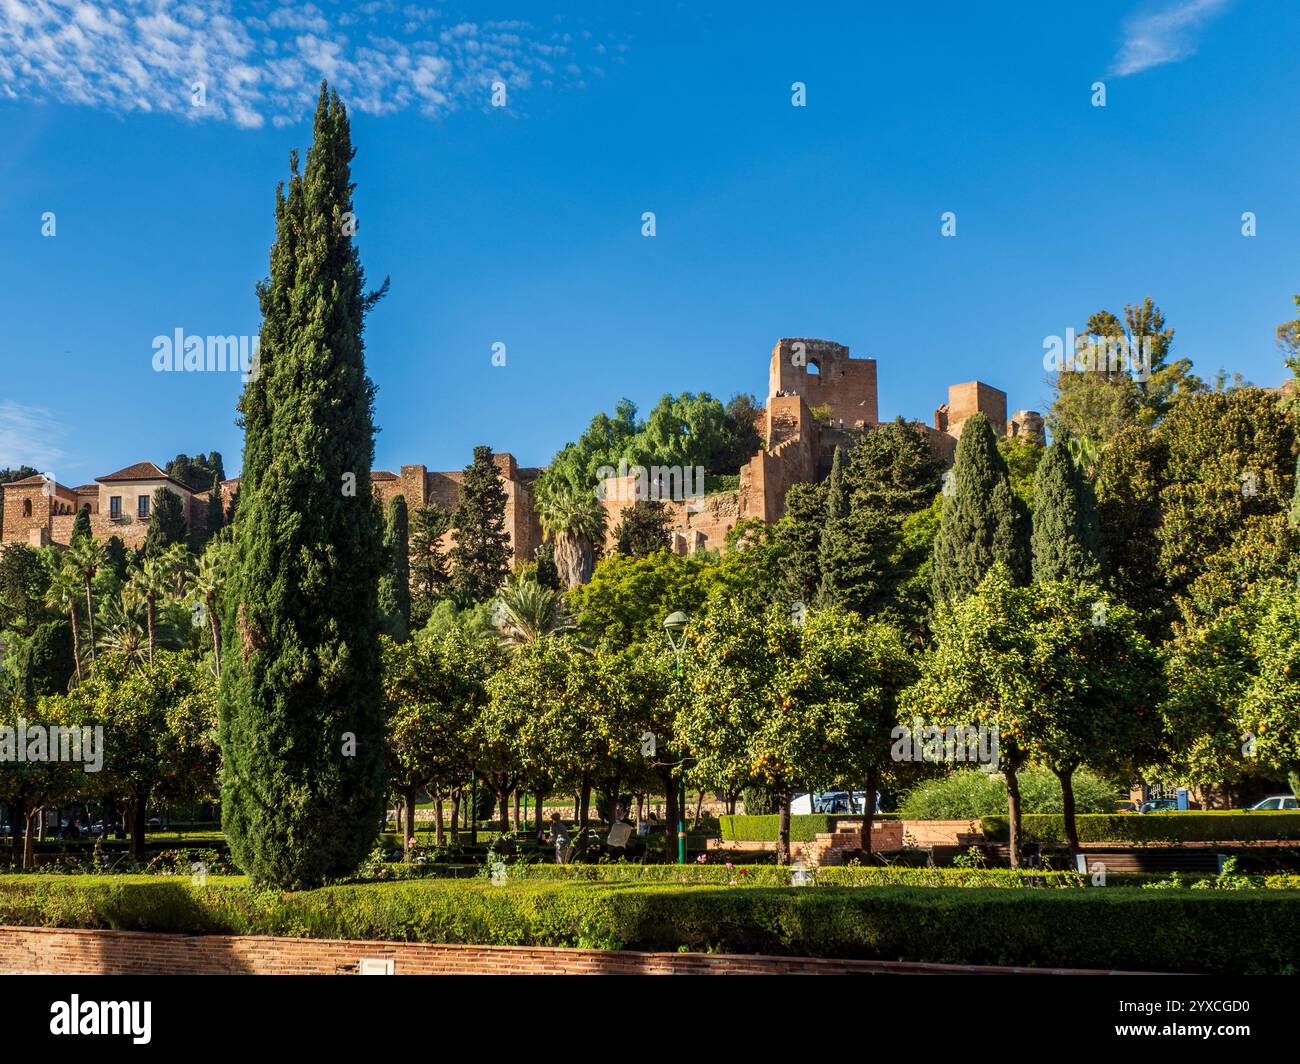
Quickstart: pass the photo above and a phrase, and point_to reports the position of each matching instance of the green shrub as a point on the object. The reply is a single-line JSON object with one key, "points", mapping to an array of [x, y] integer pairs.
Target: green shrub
{"points": [[1110, 928], [968, 794], [1212, 826], [803, 828]]}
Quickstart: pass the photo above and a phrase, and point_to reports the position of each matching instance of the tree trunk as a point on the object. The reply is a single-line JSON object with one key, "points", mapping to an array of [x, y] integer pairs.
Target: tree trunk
{"points": [[539, 824], [148, 613], [18, 825], [868, 808], [1013, 813], [29, 840], [783, 833], [517, 824], [139, 814], [584, 808], [455, 816], [503, 802], [1067, 806], [439, 835], [90, 617], [76, 639], [409, 837], [670, 816], [699, 805]]}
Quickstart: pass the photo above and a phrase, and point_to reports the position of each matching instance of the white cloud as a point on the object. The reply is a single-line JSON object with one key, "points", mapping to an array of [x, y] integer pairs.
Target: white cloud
{"points": [[265, 63], [29, 435], [1164, 35]]}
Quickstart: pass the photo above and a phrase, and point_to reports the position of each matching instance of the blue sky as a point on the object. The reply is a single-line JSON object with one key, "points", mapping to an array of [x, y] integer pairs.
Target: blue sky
{"points": [[522, 225]]}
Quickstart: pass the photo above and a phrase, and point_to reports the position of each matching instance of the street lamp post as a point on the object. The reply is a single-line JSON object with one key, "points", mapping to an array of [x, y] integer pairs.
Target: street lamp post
{"points": [[675, 626]]}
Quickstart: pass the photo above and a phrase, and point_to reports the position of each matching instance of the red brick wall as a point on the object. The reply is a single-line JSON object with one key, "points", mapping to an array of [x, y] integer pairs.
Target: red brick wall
{"points": [[63, 951]]}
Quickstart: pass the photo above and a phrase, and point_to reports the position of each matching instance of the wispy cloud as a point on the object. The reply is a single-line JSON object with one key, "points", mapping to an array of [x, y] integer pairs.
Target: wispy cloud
{"points": [[264, 61], [29, 435], [1166, 34]]}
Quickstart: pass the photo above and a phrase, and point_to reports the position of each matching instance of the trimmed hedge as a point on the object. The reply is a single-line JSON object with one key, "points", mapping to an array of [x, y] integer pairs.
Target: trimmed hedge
{"points": [[1229, 826], [1112, 928], [803, 828]]}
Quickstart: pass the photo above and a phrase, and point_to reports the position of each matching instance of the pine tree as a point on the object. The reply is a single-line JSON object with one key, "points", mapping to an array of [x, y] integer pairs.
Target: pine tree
{"points": [[643, 528], [302, 710], [430, 580], [395, 584], [1066, 538], [166, 523], [981, 525], [480, 560]]}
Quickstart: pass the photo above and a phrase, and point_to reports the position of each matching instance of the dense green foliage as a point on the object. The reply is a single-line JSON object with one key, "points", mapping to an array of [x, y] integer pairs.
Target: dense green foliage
{"points": [[970, 794], [302, 711], [1154, 827], [1113, 928]]}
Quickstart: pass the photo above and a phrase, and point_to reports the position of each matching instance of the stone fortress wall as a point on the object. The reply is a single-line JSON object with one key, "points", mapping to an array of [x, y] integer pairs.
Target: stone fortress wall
{"points": [[819, 398]]}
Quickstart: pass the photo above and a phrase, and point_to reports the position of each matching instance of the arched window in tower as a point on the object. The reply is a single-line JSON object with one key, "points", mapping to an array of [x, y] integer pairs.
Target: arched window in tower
{"points": [[814, 368], [27, 507]]}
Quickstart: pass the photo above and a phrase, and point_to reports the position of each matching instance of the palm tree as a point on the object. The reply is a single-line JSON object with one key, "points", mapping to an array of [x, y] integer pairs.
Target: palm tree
{"points": [[150, 582], [524, 611], [126, 628], [206, 583], [575, 520], [87, 555], [63, 593]]}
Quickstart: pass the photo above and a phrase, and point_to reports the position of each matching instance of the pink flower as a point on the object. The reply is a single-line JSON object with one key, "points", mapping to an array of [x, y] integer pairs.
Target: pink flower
{"points": [[729, 865], [702, 859]]}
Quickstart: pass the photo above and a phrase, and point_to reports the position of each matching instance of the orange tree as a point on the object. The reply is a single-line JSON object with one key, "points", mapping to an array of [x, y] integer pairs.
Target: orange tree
{"points": [[771, 702], [1058, 671], [160, 732], [434, 689]]}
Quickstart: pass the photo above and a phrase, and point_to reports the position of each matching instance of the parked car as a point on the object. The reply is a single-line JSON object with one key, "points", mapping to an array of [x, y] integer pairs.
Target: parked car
{"points": [[1159, 805], [1275, 801], [1127, 807], [827, 802]]}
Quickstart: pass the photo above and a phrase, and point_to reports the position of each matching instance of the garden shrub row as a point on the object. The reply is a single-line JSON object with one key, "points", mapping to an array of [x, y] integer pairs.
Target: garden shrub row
{"points": [[1228, 825], [1111, 928], [803, 828]]}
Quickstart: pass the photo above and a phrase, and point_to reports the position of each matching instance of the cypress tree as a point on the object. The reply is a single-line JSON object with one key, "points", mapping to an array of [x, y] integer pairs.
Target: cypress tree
{"points": [[429, 578], [166, 522], [216, 511], [480, 560], [799, 536], [302, 716], [833, 530], [395, 584], [1066, 537], [81, 525], [980, 525]]}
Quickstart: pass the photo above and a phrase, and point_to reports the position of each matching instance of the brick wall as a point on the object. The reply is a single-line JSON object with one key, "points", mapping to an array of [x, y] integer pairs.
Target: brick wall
{"points": [[65, 951]]}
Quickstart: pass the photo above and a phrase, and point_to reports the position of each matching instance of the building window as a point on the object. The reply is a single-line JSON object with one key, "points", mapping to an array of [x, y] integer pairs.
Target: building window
{"points": [[142, 506], [115, 506], [27, 507]]}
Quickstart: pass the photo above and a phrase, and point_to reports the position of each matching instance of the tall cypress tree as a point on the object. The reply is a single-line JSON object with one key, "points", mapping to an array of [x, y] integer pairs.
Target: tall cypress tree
{"points": [[81, 525], [302, 717], [166, 522], [980, 525], [1066, 538], [216, 509], [430, 579], [480, 560], [395, 584]]}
